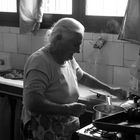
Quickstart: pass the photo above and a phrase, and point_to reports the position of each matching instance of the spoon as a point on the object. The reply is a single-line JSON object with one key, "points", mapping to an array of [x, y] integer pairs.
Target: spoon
{"points": [[108, 99]]}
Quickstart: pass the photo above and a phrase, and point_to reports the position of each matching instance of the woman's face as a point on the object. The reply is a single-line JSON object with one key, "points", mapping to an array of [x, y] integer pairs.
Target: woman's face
{"points": [[70, 44]]}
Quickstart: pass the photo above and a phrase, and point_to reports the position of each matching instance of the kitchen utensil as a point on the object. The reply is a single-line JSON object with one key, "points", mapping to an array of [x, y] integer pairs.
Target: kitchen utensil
{"points": [[108, 100], [105, 110]]}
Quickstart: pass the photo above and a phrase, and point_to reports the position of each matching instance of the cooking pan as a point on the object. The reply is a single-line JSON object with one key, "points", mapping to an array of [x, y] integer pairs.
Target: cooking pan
{"points": [[104, 109]]}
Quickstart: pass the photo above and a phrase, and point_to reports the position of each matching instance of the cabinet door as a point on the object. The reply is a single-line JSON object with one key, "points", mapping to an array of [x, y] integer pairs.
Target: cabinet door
{"points": [[5, 118], [18, 134]]}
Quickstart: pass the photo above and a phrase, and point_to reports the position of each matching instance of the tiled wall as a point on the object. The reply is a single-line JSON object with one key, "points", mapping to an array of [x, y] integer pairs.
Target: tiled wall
{"points": [[110, 64]]}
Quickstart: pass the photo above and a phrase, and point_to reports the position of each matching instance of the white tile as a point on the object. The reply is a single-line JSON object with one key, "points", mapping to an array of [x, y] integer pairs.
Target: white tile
{"points": [[115, 38], [131, 51], [14, 30], [4, 29], [112, 54], [82, 65], [24, 44], [95, 36], [88, 35], [1, 42], [128, 63], [88, 51], [18, 61], [6, 58], [37, 43], [121, 76], [106, 36], [104, 73], [88, 67], [10, 42]]}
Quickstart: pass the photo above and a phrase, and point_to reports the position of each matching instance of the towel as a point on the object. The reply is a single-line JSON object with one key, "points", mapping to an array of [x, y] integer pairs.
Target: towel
{"points": [[31, 13]]}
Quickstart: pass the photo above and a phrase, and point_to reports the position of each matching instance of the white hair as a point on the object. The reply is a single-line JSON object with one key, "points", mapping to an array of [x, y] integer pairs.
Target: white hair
{"points": [[66, 24]]}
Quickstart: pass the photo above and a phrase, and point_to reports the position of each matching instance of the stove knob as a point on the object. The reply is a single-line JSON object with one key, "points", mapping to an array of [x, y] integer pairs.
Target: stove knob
{"points": [[138, 102], [119, 136]]}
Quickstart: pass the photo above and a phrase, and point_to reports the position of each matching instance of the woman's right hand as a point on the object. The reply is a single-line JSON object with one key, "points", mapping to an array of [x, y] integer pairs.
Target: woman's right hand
{"points": [[76, 109]]}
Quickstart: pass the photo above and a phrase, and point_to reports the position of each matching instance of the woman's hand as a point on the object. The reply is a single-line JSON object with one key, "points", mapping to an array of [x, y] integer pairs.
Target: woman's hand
{"points": [[128, 104], [118, 92], [76, 109]]}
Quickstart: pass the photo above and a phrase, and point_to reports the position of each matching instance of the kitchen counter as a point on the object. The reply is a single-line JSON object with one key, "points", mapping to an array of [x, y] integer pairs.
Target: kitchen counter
{"points": [[11, 82], [11, 87], [88, 96], [11, 107], [15, 87]]}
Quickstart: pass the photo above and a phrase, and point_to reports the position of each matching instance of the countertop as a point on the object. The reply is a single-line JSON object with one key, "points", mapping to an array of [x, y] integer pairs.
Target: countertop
{"points": [[87, 96], [11, 87], [11, 82]]}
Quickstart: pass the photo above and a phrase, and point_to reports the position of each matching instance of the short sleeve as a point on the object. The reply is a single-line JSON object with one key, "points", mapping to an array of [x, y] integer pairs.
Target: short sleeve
{"points": [[36, 81]]}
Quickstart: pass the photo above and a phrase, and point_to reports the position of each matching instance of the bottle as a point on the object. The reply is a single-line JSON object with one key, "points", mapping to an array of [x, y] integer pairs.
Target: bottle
{"points": [[135, 77]]}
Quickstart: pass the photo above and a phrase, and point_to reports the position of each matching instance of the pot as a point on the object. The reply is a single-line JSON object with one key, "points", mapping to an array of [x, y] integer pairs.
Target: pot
{"points": [[102, 110]]}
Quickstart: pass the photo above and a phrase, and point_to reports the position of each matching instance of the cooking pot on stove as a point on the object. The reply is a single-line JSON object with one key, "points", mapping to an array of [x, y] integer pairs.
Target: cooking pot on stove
{"points": [[104, 109]]}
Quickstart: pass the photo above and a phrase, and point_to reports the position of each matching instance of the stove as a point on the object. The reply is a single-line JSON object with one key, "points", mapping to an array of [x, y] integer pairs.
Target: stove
{"points": [[90, 132]]}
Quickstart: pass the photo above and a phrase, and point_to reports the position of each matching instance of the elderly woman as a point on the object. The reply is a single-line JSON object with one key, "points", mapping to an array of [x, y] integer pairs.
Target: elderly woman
{"points": [[50, 95]]}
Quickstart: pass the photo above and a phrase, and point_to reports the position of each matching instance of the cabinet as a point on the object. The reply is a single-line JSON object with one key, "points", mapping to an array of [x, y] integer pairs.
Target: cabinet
{"points": [[10, 112], [5, 119]]}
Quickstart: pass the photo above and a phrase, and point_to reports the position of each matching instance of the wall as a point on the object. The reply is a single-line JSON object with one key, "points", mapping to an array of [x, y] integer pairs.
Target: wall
{"points": [[110, 64]]}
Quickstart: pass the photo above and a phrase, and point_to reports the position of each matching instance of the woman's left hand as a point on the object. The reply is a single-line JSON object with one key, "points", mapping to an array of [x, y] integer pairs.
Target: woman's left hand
{"points": [[120, 93]]}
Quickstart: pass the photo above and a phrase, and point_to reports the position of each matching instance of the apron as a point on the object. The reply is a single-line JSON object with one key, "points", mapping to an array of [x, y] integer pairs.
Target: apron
{"points": [[51, 127]]}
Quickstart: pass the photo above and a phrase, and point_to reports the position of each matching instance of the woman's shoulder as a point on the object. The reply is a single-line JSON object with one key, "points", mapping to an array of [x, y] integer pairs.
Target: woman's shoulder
{"points": [[39, 61], [40, 56]]}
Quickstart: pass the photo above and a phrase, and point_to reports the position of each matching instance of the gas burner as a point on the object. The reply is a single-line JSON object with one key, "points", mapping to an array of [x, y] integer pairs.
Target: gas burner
{"points": [[92, 130]]}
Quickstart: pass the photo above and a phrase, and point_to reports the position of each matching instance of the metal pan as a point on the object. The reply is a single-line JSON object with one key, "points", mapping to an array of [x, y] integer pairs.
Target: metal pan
{"points": [[106, 110]]}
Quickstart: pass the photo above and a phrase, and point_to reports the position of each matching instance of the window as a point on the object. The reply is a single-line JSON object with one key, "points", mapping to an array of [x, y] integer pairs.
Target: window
{"points": [[8, 6], [106, 7], [56, 9], [93, 14], [58, 6], [98, 14], [9, 13]]}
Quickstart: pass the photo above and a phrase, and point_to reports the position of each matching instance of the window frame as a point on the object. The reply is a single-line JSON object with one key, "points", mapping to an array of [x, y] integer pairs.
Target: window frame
{"points": [[95, 24], [92, 23], [10, 19]]}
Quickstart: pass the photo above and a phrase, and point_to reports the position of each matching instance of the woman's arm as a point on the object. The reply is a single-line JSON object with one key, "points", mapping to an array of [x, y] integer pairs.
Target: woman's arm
{"points": [[40, 105], [35, 100], [92, 82]]}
